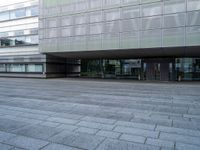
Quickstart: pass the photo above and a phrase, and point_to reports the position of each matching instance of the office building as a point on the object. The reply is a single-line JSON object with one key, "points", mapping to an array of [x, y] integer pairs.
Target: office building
{"points": [[134, 39]]}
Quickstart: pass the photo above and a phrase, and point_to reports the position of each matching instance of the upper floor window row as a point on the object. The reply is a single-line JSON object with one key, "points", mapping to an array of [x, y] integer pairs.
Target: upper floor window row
{"points": [[32, 31], [19, 13]]}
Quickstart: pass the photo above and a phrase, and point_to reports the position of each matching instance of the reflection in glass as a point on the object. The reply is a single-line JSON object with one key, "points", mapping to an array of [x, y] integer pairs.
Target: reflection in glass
{"points": [[18, 13], [34, 68], [4, 16], [19, 41], [188, 68], [34, 11]]}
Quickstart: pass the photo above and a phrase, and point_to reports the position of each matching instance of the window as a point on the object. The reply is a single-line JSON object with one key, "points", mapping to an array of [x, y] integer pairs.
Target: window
{"points": [[51, 23], [151, 9], [110, 41], [4, 16], [151, 22], [94, 42], [51, 33], [33, 31], [112, 15], [2, 67], [67, 32], [149, 1], [18, 13], [193, 18], [130, 25], [150, 38], [81, 5], [174, 6], [3, 34], [16, 68], [112, 27], [130, 12], [34, 68], [80, 30], [96, 28], [80, 19], [4, 42], [111, 2], [96, 17], [174, 20], [129, 39], [32, 39], [173, 37], [193, 35], [66, 21], [34, 11], [193, 5], [131, 1], [19, 32], [19, 41], [95, 3]]}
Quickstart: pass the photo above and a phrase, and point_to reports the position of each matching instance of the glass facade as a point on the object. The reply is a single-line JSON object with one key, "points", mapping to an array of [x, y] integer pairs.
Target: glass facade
{"points": [[186, 69], [19, 13], [119, 24], [19, 24], [19, 52], [21, 68], [19, 41]]}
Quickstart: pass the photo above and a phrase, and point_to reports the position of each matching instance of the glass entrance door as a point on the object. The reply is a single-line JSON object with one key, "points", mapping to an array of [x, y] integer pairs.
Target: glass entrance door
{"points": [[157, 71]]}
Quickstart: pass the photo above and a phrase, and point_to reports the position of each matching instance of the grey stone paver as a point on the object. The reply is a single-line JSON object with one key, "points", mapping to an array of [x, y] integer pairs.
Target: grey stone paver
{"points": [[150, 120], [99, 120], [62, 120], [86, 130], [5, 136], [183, 146], [79, 140], [110, 144], [5, 147], [95, 125], [178, 131], [37, 131], [26, 143], [109, 134], [180, 138], [67, 127], [16, 148], [99, 114], [9, 125], [161, 143], [136, 131], [136, 125], [50, 124], [54, 146], [133, 138]]}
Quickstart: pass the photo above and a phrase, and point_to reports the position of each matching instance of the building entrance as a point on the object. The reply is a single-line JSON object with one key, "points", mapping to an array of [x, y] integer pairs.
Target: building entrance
{"points": [[156, 69]]}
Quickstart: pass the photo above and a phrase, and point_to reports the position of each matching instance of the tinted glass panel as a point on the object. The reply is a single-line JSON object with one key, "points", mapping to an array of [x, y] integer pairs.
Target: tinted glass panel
{"points": [[4, 16], [18, 13]]}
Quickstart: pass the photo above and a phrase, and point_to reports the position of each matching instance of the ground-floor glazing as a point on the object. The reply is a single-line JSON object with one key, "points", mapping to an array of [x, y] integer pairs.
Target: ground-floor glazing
{"points": [[46, 66], [143, 69]]}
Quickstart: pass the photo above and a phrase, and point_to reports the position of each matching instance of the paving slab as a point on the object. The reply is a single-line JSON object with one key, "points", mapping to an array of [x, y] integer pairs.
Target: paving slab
{"points": [[110, 144], [37, 131], [54, 146], [99, 114], [26, 143]]}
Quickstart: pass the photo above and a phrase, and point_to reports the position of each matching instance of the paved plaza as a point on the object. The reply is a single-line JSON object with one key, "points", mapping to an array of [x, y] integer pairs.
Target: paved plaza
{"points": [[77, 114]]}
